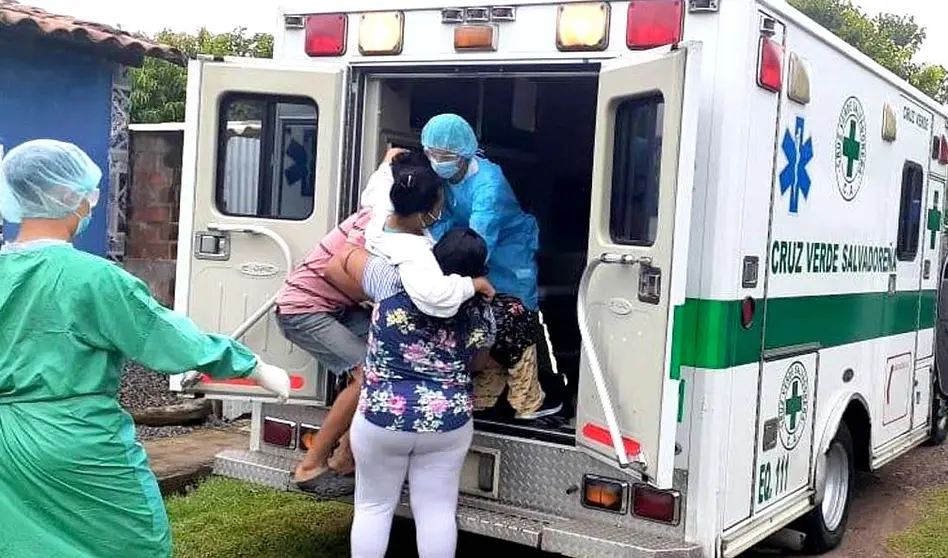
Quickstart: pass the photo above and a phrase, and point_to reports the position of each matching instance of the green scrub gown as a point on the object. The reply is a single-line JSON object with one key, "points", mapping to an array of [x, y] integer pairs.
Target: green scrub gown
{"points": [[74, 483]]}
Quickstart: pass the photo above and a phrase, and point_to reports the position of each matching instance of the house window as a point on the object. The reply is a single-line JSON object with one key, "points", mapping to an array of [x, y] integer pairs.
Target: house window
{"points": [[266, 156], [636, 166]]}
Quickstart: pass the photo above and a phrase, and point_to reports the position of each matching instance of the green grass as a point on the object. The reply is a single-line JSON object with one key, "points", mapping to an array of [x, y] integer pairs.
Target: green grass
{"points": [[928, 537], [225, 518]]}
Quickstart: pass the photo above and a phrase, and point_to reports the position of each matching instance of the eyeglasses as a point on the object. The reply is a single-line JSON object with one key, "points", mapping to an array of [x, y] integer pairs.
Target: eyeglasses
{"points": [[440, 155]]}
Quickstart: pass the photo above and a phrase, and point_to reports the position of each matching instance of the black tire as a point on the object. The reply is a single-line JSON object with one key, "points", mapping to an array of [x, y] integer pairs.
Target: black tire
{"points": [[820, 539], [939, 429]]}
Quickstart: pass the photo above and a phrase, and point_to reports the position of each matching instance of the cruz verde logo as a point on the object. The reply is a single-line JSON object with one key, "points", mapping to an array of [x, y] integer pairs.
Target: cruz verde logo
{"points": [[851, 140], [795, 178], [794, 406]]}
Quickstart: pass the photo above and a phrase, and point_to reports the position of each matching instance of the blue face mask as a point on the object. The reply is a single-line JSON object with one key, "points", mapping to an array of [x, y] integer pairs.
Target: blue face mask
{"points": [[446, 169]]}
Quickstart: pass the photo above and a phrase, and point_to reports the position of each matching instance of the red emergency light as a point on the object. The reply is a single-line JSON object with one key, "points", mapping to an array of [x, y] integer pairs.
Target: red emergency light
{"points": [[770, 65], [326, 34], [654, 23]]}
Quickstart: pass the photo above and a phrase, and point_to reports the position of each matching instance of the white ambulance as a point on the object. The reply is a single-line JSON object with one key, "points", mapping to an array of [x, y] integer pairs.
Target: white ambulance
{"points": [[740, 223]]}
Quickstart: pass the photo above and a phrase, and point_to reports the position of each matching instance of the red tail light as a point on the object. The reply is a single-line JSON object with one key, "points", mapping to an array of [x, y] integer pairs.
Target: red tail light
{"points": [[657, 505], [770, 71], [654, 23], [277, 432], [943, 152], [326, 34]]}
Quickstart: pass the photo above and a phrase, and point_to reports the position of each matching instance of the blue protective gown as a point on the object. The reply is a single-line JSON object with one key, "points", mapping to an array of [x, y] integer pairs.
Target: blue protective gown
{"points": [[485, 202], [74, 482]]}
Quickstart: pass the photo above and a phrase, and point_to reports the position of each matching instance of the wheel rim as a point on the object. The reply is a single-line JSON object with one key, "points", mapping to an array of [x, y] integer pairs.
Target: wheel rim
{"points": [[837, 487]]}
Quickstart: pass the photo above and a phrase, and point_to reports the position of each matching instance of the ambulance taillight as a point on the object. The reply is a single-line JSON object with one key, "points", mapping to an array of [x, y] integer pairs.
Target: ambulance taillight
{"points": [[326, 34], [943, 151], [770, 64], [654, 23], [657, 505], [280, 433]]}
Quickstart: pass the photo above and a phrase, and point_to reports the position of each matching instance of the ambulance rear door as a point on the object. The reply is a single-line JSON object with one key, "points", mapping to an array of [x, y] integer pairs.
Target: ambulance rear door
{"points": [[262, 152], [638, 247]]}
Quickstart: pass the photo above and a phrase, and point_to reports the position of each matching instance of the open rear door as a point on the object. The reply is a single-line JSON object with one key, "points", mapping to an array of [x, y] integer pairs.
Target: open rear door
{"points": [[638, 249], [262, 151]]}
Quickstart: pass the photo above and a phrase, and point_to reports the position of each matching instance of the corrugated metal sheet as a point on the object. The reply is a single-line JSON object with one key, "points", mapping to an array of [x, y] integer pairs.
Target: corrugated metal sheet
{"points": [[242, 175], [104, 39]]}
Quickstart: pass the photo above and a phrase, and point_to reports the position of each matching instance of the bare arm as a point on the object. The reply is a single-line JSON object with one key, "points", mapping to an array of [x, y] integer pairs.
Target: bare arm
{"points": [[345, 271]]}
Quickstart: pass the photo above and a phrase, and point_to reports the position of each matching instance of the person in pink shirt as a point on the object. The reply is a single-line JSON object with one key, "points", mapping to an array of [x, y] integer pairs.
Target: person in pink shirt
{"points": [[326, 320], [325, 314]]}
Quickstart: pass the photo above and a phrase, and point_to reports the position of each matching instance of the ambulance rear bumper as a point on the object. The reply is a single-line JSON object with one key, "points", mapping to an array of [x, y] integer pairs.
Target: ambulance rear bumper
{"points": [[575, 538]]}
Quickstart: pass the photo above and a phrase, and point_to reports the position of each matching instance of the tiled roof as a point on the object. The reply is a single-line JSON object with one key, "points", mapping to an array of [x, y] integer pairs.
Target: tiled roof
{"points": [[105, 40]]}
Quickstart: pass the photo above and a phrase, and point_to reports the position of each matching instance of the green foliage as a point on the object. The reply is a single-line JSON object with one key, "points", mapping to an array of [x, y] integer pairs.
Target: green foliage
{"points": [[889, 39], [158, 87]]}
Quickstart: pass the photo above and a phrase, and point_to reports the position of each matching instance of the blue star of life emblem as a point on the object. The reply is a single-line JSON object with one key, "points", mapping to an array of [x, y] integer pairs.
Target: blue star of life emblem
{"points": [[794, 176]]}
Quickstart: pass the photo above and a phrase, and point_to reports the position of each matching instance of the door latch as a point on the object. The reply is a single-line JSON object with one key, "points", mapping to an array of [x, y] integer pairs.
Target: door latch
{"points": [[650, 284], [212, 245]]}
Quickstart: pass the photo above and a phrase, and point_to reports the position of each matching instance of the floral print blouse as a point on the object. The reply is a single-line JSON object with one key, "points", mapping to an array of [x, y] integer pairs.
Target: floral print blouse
{"points": [[416, 376]]}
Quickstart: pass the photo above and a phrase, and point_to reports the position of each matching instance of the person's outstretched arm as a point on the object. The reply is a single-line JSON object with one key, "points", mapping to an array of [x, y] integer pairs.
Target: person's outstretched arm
{"points": [[122, 316], [435, 293]]}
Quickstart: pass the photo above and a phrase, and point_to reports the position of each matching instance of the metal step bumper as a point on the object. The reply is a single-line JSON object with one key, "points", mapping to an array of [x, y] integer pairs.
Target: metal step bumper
{"points": [[576, 538]]}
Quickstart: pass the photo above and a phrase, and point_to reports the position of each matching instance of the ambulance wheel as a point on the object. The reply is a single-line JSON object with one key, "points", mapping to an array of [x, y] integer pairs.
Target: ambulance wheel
{"points": [[825, 525], [939, 430]]}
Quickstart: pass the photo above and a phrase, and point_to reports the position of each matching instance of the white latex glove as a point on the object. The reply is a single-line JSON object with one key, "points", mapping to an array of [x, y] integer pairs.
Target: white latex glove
{"points": [[272, 379]]}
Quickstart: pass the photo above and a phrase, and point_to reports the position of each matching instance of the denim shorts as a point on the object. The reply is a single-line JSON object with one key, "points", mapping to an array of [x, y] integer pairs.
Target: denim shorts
{"points": [[335, 339]]}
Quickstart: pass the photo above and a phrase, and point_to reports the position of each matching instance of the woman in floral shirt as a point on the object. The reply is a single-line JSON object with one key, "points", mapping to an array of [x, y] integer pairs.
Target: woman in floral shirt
{"points": [[415, 408]]}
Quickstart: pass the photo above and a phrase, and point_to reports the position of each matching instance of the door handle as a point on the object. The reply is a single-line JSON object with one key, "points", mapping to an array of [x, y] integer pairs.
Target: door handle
{"points": [[650, 277], [605, 399], [212, 245]]}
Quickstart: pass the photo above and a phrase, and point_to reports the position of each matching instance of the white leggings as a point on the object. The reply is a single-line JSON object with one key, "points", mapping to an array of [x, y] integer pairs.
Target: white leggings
{"points": [[432, 463]]}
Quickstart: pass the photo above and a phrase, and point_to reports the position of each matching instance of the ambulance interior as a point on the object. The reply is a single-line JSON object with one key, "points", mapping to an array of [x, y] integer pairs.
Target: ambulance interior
{"points": [[540, 130]]}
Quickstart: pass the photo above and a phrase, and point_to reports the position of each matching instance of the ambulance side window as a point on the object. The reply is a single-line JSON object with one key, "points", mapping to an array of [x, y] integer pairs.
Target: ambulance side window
{"points": [[636, 164], [910, 211], [266, 156]]}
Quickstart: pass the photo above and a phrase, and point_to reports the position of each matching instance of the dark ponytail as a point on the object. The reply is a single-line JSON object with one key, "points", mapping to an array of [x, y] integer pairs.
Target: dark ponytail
{"points": [[417, 189]]}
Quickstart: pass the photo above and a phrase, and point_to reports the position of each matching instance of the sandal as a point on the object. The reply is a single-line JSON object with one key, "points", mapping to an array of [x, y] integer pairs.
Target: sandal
{"points": [[328, 484]]}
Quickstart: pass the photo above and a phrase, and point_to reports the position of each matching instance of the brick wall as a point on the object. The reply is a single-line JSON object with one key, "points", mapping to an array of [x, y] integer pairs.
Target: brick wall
{"points": [[152, 211]]}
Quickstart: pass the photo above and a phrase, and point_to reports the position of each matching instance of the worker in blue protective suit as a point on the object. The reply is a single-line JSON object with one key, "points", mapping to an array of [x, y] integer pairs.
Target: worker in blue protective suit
{"points": [[74, 483], [480, 197]]}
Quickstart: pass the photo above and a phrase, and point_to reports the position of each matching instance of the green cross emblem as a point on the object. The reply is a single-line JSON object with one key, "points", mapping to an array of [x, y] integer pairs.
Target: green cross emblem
{"points": [[934, 223], [851, 149], [794, 406]]}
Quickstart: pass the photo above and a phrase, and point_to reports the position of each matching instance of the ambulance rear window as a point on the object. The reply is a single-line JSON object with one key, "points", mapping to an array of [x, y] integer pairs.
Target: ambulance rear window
{"points": [[636, 164], [910, 211], [266, 156]]}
